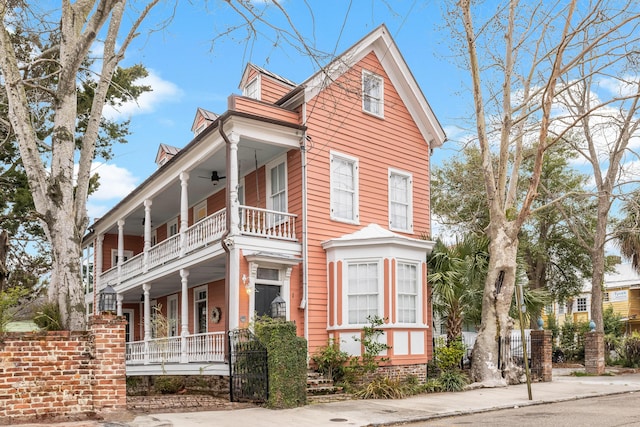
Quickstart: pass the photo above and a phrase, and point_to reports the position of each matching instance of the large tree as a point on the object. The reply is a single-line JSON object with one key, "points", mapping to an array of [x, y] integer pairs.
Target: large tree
{"points": [[520, 56], [62, 47]]}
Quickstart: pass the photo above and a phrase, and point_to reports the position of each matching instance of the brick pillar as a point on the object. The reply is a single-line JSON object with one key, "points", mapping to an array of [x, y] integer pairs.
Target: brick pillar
{"points": [[541, 352], [594, 353], [109, 373]]}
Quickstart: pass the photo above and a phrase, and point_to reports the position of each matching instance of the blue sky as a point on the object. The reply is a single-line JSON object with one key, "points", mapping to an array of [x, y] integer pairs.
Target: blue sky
{"points": [[187, 71]]}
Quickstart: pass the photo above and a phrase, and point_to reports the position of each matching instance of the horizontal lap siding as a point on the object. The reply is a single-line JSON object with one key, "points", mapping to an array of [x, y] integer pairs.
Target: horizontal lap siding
{"points": [[272, 90], [252, 106], [336, 122]]}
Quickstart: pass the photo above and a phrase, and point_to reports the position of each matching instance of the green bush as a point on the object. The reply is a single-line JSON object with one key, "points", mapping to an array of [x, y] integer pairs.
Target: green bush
{"points": [[48, 317], [330, 360], [370, 359], [287, 361], [168, 384], [382, 388], [9, 299], [448, 357], [452, 380], [572, 340], [631, 350], [433, 385], [612, 322]]}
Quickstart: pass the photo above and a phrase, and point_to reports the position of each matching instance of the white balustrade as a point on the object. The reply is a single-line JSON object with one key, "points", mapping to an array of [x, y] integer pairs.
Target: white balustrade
{"points": [[109, 277], [208, 347], [164, 251], [267, 223], [132, 267], [206, 231]]}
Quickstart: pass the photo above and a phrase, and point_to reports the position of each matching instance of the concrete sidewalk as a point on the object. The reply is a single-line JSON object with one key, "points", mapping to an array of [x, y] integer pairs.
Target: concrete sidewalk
{"points": [[389, 412], [417, 408]]}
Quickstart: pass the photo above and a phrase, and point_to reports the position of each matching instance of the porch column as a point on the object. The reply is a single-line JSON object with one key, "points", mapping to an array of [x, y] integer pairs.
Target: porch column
{"points": [[184, 315], [119, 299], [232, 176], [147, 321], [98, 272], [234, 285], [147, 234], [120, 247], [184, 211]]}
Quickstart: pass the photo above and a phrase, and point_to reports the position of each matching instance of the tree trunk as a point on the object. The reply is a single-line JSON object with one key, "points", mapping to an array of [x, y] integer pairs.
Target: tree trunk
{"points": [[4, 251], [496, 301]]}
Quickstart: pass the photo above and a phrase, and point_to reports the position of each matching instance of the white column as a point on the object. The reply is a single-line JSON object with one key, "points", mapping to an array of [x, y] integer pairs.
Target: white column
{"points": [[147, 234], [184, 211], [98, 272], [147, 321], [232, 176], [119, 299], [184, 315], [234, 284], [120, 247]]}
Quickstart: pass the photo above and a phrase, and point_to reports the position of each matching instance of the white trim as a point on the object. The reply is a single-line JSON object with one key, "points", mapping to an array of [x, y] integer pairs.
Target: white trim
{"points": [[379, 101], [171, 223], [241, 192], [381, 297], [356, 195], [197, 290], [154, 237], [257, 80], [268, 167], [132, 322], [114, 256], [197, 207], [176, 320], [409, 177], [419, 298]]}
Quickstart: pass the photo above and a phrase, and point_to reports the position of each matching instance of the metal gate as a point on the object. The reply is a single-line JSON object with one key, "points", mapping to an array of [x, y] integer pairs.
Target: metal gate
{"points": [[248, 375]]}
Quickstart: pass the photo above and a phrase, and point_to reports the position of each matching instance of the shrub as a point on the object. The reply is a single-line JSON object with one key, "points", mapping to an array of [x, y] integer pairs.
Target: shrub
{"points": [[448, 357], [452, 380], [631, 350], [168, 384], [612, 322], [330, 360], [9, 300], [372, 346], [48, 317], [572, 340], [382, 388], [433, 385]]}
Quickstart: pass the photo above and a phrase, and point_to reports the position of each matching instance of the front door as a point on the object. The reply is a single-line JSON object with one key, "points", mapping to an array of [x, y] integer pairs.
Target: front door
{"points": [[265, 294]]}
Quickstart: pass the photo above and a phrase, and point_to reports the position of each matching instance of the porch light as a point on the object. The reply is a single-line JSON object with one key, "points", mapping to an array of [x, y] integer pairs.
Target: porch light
{"points": [[107, 301], [278, 308]]}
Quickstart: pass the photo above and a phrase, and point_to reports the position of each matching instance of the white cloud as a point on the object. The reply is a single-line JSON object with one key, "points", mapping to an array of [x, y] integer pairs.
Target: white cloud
{"points": [[115, 183], [623, 86], [162, 91]]}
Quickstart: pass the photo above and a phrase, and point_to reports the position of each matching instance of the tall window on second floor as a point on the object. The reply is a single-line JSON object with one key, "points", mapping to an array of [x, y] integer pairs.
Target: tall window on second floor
{"points": [[407, 288], [363, 288], [277, 186], [344, 188], [372, 93], [172, 227], [400, 201], [87, 267], [200, 211]]}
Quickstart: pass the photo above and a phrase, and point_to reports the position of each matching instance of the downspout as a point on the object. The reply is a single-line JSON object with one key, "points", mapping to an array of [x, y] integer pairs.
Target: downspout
{"points": [[223, 242], [305, 243]]}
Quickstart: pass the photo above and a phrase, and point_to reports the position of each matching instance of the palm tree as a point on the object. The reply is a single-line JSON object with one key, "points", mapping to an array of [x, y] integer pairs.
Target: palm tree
{"points": [[457, 278], [627, 231]]}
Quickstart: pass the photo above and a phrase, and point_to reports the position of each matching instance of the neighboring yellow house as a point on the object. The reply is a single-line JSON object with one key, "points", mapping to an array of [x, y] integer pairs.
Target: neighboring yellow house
{"points": [[621, 291]]}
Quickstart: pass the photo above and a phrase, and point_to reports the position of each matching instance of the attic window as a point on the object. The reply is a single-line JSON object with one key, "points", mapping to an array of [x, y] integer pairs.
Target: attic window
{"points": [[372, 93], [200, 128], [252, 89]]}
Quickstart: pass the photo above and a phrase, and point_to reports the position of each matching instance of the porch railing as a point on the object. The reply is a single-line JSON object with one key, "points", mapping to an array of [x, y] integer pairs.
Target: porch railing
{"points": [[207, 231], [267, 223], [132, 267], [208, 347], [164, 251]]}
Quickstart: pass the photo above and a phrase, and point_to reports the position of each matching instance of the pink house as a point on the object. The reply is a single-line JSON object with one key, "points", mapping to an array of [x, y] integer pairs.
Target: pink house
{"points": [[315, 192]]}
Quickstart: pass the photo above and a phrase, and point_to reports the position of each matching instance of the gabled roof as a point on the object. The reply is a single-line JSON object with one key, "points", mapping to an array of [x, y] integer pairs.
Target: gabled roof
{"points": [[247, 70], [381, 43], [168, 149], [206, 114]]}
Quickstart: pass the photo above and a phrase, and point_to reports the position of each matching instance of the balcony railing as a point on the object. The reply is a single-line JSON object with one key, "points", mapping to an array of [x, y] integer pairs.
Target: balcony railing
{"points": [[267, 223], [253, 221], [208, 347]]}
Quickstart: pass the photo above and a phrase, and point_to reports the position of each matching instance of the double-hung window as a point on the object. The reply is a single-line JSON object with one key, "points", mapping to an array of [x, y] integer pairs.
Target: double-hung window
{"points": [[407, 289], [372, 93], [363, 289], [344, 188], [252, 89], [581, 304], [277, 191], [400, 201]]}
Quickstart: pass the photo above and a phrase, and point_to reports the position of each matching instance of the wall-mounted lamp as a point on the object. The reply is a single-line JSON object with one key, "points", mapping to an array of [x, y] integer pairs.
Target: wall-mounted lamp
{"points": [[247, 284], [107, 301], [278, 308]]}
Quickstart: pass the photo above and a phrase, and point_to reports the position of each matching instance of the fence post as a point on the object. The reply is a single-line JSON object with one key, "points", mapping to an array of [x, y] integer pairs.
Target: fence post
{"points": [[594, 353], [541, 355]]}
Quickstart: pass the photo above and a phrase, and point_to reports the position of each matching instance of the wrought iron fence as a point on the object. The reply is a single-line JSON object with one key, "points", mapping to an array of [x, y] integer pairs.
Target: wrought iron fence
{"points": [[248, 371]]}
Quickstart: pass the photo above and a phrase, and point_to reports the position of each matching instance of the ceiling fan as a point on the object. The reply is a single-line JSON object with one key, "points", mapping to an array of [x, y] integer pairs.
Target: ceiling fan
{"points": [[215, 178]]}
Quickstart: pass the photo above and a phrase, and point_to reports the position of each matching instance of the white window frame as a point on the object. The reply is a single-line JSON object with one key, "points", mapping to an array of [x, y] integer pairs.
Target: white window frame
{"points": [[409, 200], [154, 237], [171, 320], [348, 290], [255, 81], [173, 222], [580, 300], [114, 257], [367, 97], [87, 267], [270, 166], [202, 206], [335, 156], [196, 300], [241, 195], [417, 295]]}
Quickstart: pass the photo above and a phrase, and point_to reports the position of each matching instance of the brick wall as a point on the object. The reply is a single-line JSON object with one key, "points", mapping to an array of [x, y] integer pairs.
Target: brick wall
{"points": [[541, 356], [594, 353], [63, 375]]}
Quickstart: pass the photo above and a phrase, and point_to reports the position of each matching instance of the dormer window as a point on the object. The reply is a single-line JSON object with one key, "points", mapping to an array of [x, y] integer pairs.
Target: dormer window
{"points": [[252, 89], [200, 128]]}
